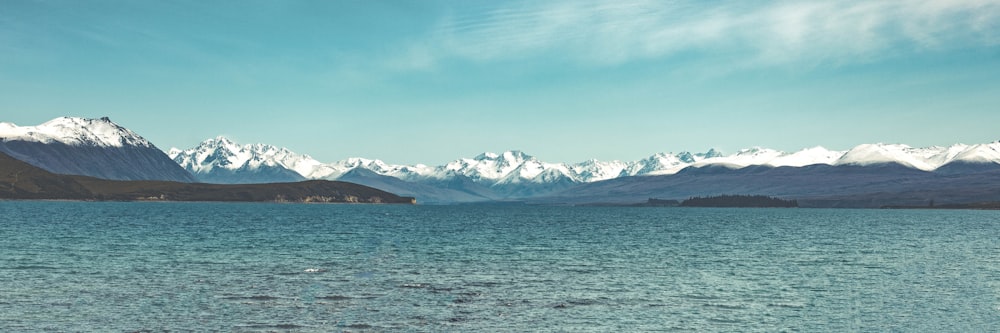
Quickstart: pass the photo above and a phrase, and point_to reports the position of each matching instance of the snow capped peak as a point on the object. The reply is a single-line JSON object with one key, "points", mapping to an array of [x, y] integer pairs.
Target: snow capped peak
{"points": [[807, 156], [225, 144], [525, 171], [815, 150], [516, 155], [218, 141], [486, 156], [758, 153], [981, 153], [927, 159], [879, 153], [488, 167], [510, 157], [776, 158], [661, 164], [753, 151], [221, 152], [742, 158], [339, 168], [358, 162], [516, 167], [710, 154], [594, 170], [688, 157], [75, 131]]}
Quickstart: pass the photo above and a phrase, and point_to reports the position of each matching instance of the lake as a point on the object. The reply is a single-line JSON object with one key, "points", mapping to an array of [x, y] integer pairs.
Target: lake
{"points": [[111, 266]]}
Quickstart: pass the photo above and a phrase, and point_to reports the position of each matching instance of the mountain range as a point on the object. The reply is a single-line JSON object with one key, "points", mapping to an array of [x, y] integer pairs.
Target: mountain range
{"points": [[514, 175], [486, 177], [879, 173]]}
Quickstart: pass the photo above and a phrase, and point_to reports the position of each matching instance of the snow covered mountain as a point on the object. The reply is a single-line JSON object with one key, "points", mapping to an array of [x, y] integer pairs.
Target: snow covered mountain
{"points": [[981, 153], [515, 174], [926, 159], [90, 147], [220, 160], [103, 149], [75, 132], [516, 167]]}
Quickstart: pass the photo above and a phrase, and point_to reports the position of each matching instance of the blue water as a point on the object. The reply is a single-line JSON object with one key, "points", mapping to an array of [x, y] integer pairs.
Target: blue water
{"points": [[73, 266]]}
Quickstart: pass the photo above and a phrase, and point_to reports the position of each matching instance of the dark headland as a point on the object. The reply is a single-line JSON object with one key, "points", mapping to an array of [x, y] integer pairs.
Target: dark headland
{"points": [[20, 180], [745, 201], [987, 205]]}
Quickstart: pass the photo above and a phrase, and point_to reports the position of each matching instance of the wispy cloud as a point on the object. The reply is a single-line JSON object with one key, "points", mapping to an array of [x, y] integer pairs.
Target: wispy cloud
{"points": [[602, 33]]}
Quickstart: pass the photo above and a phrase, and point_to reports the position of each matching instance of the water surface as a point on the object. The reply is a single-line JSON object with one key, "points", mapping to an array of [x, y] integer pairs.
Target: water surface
{"points": [[71, 266]]}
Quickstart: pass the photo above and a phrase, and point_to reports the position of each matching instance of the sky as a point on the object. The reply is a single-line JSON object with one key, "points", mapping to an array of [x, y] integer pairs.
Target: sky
{"points": [[563, 80]]}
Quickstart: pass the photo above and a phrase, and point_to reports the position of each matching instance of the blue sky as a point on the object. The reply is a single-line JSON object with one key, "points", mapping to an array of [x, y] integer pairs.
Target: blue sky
{"points": [[566, 81]]}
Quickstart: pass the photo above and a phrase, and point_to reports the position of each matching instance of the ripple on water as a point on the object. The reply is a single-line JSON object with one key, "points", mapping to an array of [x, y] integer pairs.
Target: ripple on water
{"points": [[306, 268], [256, 298], [334, 298]]}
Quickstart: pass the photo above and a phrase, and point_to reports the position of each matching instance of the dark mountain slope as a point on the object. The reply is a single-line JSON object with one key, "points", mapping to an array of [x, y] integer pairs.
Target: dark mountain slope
{"points": [[816, 185], [246, 175], [89, 147], [20, 180], [116, 163]]}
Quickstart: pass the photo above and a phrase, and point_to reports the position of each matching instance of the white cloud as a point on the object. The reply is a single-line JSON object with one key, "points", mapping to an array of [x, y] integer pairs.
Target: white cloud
{"points": [[601, 33]]}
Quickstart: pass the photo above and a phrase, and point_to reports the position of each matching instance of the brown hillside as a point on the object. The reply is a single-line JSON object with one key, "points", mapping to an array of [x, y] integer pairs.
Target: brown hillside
{"points": [[20, 180]]}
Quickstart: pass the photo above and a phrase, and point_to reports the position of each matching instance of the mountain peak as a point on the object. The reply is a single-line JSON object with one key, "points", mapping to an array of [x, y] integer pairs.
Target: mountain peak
{"points": [[881, 153], [486, 156], [493, 156], [516, 167], [509, 156], [90, 147], [711, 153], [218, 141], [221, 153], [516, 155], [75, 131]]}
